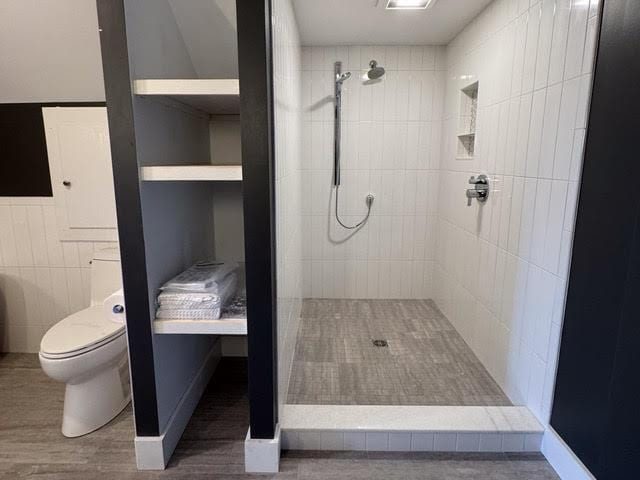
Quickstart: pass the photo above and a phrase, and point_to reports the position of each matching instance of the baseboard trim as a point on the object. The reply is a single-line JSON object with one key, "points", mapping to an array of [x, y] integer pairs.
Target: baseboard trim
{"points": [[566, 464], [153, 453], [262, 455]]}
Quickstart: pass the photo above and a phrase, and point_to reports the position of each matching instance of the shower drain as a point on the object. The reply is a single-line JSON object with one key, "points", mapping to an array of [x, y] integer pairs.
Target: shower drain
{"points": [[380, 343]]}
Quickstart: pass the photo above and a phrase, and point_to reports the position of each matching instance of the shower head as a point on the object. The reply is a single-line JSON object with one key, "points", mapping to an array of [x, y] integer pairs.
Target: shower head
{"points": [[375, 72], [341, 77]]}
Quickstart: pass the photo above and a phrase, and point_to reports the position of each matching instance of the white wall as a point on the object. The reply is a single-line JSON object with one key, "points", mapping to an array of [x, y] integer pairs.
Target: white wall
{"points": [[287, 73], [390, 147], [49, 51], [42, 280], [502, 268]]}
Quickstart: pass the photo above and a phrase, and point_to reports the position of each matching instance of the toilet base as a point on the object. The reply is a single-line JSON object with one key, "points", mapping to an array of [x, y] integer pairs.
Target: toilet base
{"points": [[94, 401]]}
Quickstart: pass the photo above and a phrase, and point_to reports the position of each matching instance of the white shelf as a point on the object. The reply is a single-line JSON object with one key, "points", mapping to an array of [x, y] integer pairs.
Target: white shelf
{"points": [[216, 96], [191, 173], [232, 322], [469, 134], [224, 326]]}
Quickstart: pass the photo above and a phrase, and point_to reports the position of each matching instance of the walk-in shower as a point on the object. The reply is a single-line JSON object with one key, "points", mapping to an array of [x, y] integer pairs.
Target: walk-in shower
{"points": [[375, 72]]}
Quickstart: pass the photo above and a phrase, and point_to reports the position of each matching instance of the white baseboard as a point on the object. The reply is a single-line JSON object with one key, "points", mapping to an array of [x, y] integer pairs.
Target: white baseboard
{"points": [[153, 453], [262, 455], [562, 458]]}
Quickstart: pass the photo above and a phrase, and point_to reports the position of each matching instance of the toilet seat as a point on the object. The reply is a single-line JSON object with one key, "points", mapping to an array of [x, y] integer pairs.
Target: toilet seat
{"points": [[79, 333]]}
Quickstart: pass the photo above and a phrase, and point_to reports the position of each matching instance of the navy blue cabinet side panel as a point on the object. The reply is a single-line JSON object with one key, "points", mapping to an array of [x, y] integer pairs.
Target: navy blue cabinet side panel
{"points": [[596, 380], [622, 453], [256, 118], [115, 63], [24, 165]]}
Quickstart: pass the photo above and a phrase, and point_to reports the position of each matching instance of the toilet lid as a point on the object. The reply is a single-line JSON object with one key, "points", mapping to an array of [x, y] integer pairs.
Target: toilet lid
{"points": [[84, 329]]}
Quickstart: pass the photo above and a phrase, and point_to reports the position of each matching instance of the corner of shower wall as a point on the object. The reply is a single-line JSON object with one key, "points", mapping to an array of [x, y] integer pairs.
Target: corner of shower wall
{"points": [[288, 189], [391, 132], [502, 267]]}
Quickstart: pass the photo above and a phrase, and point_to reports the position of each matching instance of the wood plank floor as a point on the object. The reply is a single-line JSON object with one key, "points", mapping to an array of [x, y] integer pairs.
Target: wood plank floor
{"points": [[31, 445], [425, 362]]}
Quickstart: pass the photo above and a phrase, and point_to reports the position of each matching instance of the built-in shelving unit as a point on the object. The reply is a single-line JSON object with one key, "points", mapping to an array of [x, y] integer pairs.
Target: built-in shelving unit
{"points": [[191, 173], [214, 96]]}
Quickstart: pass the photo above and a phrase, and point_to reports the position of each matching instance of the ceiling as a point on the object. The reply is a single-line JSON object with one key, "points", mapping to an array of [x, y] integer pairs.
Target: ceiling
{"points": [[349, 22]]}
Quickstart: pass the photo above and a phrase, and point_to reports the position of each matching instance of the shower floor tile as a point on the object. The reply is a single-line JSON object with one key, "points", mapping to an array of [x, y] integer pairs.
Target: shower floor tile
{"points": [[425, 362]]}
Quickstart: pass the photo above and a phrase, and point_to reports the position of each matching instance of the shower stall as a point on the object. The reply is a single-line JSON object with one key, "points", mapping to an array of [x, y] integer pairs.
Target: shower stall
{"points": [[448, 288], [370, 330]]}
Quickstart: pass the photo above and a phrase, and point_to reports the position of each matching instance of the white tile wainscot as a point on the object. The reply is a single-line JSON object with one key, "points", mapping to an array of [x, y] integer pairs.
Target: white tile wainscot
{"points": [[410, 428]]}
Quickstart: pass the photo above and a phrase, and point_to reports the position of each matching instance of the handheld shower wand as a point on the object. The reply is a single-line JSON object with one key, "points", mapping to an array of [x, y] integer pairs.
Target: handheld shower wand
{"points": [[339, 79]]}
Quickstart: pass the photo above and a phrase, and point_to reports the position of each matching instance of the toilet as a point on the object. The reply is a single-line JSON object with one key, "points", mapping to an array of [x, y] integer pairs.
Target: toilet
{"points": [[88, 351]]}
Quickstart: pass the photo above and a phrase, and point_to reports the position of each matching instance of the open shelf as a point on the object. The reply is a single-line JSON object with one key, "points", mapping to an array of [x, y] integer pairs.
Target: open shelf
{"points": [[215, 96], [232, 322], [191, 173]]}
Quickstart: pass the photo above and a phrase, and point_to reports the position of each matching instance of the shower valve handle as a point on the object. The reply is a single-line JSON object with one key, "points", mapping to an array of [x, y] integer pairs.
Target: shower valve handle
{"points": [[480, 189], [480, 180]]}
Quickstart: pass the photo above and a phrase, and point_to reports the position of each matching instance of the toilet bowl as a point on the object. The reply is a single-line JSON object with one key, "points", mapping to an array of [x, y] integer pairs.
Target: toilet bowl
{"points": [[88, 352]]}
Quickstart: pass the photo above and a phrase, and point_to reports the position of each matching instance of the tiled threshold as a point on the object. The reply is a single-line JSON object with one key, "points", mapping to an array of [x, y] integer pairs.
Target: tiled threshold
{"points": [[410, 428]]}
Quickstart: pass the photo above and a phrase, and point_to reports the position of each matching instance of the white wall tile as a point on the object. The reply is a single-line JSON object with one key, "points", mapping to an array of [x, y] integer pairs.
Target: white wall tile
{"points": [[377, 441], [390, 147], [576, 38], [38, 290], [300, 74], [332, 441], [544, 43], [22, 235], [422, 442], [355, 441], [513, 442], [468, 442], [532, 442], [309, 440], [444, 442], [530, 54], [400, 442], [491, 442], [501, 269]]}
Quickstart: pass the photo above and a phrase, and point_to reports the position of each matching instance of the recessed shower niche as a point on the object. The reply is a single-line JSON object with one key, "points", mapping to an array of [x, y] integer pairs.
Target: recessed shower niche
{"points": [[467, 121]]}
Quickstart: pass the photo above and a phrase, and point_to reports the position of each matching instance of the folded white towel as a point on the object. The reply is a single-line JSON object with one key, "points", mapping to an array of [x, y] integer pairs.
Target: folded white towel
{"points": [[189, 314], [201, 277], [183, 300]]}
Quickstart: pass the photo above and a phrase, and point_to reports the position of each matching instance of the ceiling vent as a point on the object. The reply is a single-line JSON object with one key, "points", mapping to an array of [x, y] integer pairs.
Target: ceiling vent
{"points": [[409, 4]]}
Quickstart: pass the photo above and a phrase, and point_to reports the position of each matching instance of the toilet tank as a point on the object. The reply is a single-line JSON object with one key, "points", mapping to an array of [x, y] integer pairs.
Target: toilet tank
{"points": [[106, 274]]}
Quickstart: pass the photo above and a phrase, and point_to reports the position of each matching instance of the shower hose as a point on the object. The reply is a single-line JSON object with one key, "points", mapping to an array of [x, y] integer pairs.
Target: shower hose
{"points": [[369, 201]]}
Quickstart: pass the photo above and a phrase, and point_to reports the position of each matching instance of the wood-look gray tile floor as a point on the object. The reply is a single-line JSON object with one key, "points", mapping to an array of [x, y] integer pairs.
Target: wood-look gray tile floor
{"points": [[31, 445], [425, 362]]}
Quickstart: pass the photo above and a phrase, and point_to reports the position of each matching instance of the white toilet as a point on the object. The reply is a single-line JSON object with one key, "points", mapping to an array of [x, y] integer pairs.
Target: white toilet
{"points": [[88, 351]]}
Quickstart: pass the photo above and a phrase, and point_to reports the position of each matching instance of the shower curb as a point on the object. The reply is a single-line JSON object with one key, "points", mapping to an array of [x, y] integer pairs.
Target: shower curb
{"points": [[410, 428]]}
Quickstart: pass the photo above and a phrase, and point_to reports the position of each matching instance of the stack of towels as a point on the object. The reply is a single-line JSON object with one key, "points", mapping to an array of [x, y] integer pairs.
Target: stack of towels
{"points": [[199, 292]]}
